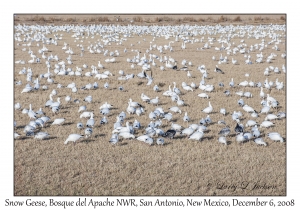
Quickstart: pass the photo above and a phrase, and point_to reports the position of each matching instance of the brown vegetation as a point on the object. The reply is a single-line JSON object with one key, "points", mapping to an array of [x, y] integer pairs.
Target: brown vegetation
{"points": [[151, 19]]}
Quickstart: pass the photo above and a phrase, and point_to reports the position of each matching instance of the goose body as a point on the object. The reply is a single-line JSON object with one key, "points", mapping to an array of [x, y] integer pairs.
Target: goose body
{"points": [[225, 131], [266, 124], [197, 135], [248, 108], [187, 131], [275, 136], [260, 141], [73, 138], [222, 139], [58, 121], [169, 134], [41, 135], [160, 141], [240, 138], [208, 109], [114, 139], [85, 114], [203, 95], [91, 121], [126, 135]]}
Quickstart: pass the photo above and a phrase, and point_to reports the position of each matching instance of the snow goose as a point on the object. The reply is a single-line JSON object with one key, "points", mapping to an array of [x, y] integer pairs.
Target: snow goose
{"points": [[56, 104], [209, 88], [247, 94], [169, 134], [244, 84], [114, 139], [31, 113], [266, 108], [145, 98], [225, 131], [17, 106], [227, 92], [86, 114], [175, 109], [266, 124], [82, 108], [187, 131], [175, 89], [91, 121], [197, 135], [203, 95], [79, 125], [240, 138], [222, 139], [88, 99], [154, 101], [208, 109], [176, 127], [208, 120], [179, 101], [248, 108], [27, 89], [260, 141], [223, 111], [256, 133], [231, 84], [186, 118], [126, 135], [143, 138], [130, 109], [248, 136], [73, 138], [104, 111], [41, 135], [261, 94], [160, 141], [106, 105], [155, 88], [88, 132], [68, 98], [58, 121], [133, 103], [218, 70], [275, 136], [239, 128], [251, 123], [281, 115]]}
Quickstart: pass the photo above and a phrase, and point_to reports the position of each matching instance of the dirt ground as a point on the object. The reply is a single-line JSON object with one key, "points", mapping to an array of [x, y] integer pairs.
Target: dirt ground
{"points": [[180, 167], [150, 19]]}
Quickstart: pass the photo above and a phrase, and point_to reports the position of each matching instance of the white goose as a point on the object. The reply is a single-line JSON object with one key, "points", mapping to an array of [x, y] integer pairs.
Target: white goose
{"points": [[91, 121], [208, 109], [31, 113], [197, 135], [73, 138], [275, 136]]}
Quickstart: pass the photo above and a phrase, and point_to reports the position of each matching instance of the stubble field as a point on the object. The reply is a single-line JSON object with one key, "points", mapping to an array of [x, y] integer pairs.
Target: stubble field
{"points": [[180, 167]]}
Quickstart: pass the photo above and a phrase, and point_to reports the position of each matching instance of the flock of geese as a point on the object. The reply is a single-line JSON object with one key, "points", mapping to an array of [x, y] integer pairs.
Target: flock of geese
{"points": [[155, 58]]}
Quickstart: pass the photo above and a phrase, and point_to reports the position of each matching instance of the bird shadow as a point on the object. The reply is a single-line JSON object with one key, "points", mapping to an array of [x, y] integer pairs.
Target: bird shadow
{"points": [[160, 104], [122, 144], [208, 137], [99, 135], [69, 123], [87, 141], [23, 138], [50, 138], [229, 142]]}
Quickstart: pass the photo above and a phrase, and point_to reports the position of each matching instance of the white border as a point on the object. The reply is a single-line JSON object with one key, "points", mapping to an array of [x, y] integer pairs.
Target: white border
{"points": [[153, 6]]}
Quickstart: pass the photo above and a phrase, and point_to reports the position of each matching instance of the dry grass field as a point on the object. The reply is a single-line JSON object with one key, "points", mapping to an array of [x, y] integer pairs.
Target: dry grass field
{"points": [[180, 167]]}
